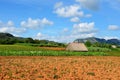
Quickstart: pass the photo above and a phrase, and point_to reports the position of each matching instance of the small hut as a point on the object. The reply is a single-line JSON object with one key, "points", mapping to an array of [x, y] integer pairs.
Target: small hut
{"points": [[76, 47], [114, 46]]}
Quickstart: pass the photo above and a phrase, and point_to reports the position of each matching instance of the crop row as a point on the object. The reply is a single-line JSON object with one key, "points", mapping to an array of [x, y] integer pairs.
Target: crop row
{"points": [[18, 48], [99, 49], [50, 53]]}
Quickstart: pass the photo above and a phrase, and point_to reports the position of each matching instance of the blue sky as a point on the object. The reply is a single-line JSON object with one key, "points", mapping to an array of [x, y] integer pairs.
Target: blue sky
{"points": [[61, 20]]}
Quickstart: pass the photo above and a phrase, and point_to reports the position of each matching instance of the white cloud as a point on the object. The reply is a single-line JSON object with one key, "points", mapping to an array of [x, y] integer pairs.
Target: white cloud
{"points": [[44, 21], [39, 35], [65, 30], [110, 37], [70, 37], [83, 28], [10, 27], [16, 35], [89, 4], [113, 27], [83, 35], [10, 23], [61, 38], [57, 5], [88, 15], [69, 11], [74, 11], [114, 4], [36, 23], [75, 19]]}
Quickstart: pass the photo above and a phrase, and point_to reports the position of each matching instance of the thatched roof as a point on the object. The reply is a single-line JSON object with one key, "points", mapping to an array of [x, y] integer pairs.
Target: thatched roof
{"points": [[76, 47], [114, 46]]}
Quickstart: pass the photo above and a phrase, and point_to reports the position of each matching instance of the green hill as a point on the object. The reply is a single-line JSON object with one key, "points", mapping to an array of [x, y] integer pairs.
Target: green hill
{"points": [[7, 38]]}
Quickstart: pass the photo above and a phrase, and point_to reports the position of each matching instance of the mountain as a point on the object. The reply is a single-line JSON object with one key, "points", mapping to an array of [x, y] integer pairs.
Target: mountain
{"points": [[99, 40], [6, 35], [7, 38], [113, 41]]}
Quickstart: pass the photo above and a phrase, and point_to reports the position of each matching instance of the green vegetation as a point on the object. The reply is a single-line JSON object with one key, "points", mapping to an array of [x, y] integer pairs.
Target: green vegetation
{"points": [[98, 44], [88, 43], [99, 49], [21, 50], [50, 53], [18, 46]]}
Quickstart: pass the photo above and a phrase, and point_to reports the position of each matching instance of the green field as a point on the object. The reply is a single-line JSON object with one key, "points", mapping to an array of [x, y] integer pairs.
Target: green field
{"points": [[22, 50]]}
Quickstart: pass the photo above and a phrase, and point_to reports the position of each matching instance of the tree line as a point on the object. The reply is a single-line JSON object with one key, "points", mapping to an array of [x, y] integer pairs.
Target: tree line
{"points": [[97, 44]]}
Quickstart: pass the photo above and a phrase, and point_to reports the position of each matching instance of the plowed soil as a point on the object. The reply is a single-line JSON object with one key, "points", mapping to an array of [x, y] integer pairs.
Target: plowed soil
{"points": [[53, 48], [60, 68]]}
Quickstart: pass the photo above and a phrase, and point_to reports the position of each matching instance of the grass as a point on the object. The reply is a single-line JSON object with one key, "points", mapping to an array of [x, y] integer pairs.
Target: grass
{"points": [[21, 50], [50, 53], [114, 53], [99, 49], [18, 48]]}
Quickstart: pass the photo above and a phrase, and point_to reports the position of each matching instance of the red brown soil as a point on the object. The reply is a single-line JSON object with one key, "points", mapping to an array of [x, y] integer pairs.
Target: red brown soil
{"points": [[53, 48], [59, 68]]}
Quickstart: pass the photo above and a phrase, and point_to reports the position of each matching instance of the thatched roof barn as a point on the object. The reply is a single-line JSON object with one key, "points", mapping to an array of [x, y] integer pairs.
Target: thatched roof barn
{"points": [[76, 47], [114, 46]]}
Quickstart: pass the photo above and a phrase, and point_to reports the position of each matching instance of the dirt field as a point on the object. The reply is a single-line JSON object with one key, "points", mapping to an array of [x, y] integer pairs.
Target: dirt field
{"points": [[53, 48], [59, 68]]}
